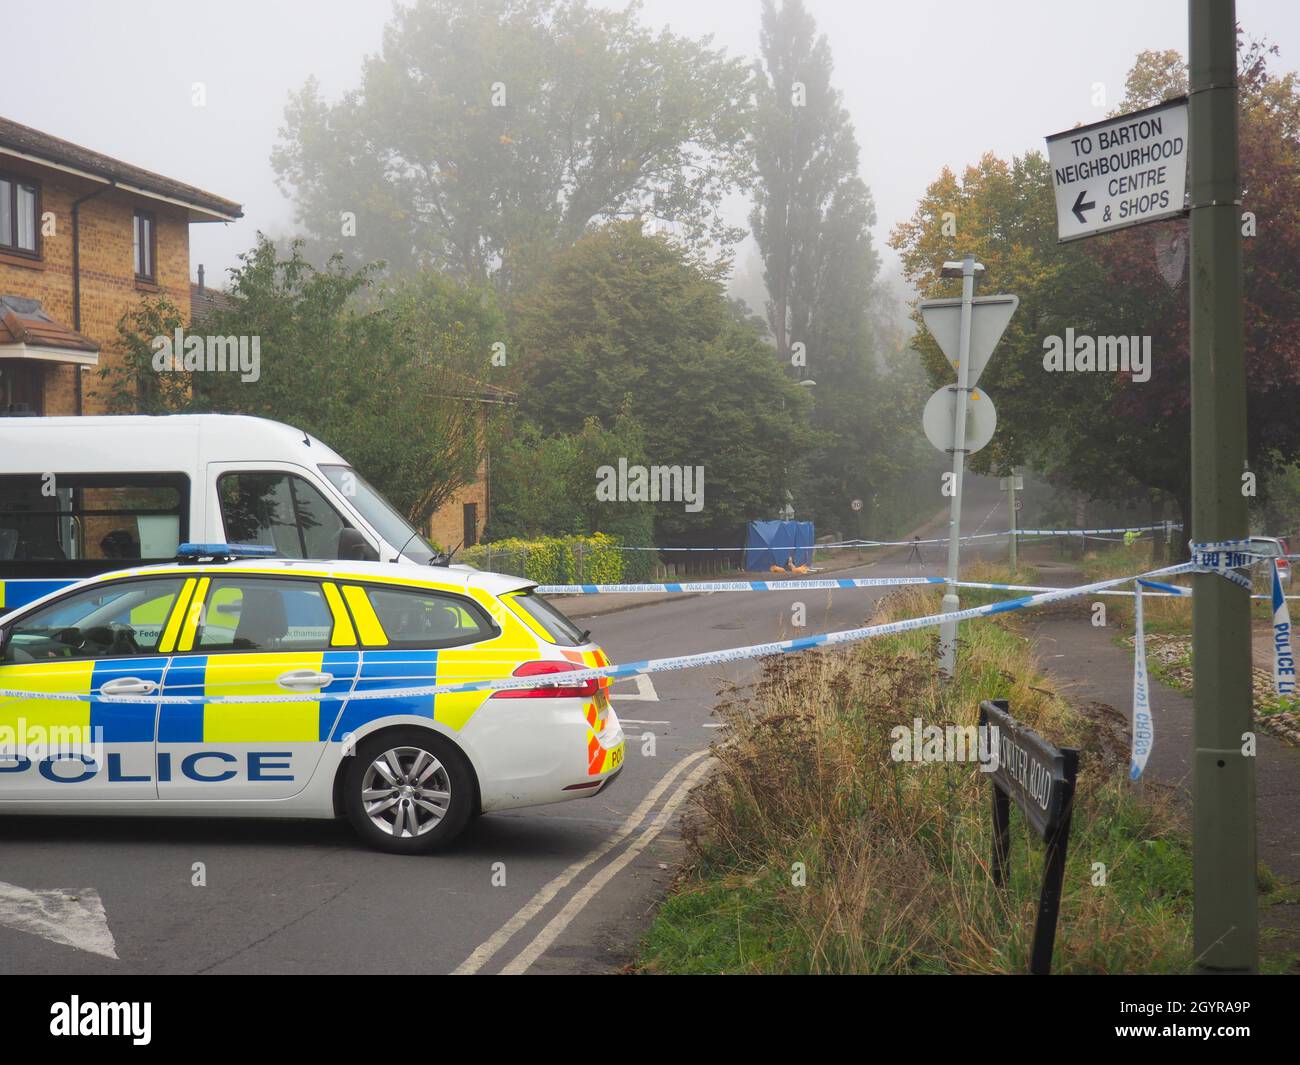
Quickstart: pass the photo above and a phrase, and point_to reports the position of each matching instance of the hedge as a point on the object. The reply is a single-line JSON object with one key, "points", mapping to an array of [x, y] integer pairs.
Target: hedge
{"points": [[554, 559]]}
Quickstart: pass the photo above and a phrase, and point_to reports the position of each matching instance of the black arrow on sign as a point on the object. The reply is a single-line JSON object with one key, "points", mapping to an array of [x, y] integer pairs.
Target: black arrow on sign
{"points": [[1079, 206]]}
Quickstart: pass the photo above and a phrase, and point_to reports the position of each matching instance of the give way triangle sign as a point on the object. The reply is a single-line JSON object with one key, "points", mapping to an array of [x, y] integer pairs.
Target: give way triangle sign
{"points": [[989, 318]]}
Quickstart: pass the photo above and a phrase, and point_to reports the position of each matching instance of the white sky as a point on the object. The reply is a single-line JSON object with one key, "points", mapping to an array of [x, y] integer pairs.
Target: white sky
{"points": [[927, 82]]}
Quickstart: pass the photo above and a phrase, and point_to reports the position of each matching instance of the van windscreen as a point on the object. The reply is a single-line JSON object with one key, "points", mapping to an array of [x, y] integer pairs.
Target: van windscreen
{"points": [[381, 514]]}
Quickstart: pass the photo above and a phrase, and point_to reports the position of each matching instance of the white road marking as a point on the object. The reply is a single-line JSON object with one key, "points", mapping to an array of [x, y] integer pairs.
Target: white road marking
{"points": [[638, 721], [645, 690], [526, 957], [72, 918], [485, 950], [715, 724]]}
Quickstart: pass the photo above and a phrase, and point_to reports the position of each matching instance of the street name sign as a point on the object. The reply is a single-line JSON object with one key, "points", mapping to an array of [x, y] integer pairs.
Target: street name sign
{"points": [[1120, 172], [1038, 777], [940, 419], [988, 321]]}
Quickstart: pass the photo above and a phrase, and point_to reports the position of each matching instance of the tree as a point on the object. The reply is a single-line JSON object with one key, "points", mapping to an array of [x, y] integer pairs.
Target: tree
{"points": [[629, 322], [486, 130], [383, 376], [812, 222], [1106, 434]]}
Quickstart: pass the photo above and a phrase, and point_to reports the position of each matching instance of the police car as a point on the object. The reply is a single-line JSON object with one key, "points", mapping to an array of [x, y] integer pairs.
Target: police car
{"points": [[408, 769]]}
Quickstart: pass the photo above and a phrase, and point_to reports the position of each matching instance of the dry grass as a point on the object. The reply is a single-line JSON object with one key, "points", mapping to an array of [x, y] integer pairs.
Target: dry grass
{"points": [[896, 853]]}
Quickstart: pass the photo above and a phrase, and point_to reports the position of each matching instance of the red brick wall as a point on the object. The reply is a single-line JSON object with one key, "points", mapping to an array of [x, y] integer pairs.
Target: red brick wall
{"points": [[108, 285]]}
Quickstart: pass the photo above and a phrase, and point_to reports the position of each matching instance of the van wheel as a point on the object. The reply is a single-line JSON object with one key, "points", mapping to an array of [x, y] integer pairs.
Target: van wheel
{"points": [[408, 791]]}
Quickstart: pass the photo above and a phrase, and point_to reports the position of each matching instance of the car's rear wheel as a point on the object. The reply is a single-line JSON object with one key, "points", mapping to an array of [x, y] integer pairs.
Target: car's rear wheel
{"points": [[408, 791]]}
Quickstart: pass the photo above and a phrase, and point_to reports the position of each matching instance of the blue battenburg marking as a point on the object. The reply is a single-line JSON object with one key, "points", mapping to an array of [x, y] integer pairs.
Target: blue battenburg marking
{"points": [[124, 722], [381, 670], [183, 722], [343, 666]]}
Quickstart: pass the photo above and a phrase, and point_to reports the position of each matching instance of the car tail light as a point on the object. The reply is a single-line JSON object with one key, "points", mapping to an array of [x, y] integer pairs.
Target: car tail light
{"points": [[582, 690]]}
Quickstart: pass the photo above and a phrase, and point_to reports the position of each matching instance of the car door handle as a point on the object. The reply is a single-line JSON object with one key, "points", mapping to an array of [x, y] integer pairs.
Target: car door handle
{"points": [[304, 679], [128, 686]]}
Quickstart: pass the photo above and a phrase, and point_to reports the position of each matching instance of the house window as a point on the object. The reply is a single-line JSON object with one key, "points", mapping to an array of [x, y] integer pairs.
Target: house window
{"points": [[144, 245], [18, 203]]}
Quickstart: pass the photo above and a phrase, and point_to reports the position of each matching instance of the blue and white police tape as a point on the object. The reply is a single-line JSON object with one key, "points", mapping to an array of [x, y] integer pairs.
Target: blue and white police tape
{"points": [[630, 669], [736, 586], [1283, 656], [1092, 533], [1144, 731], [1224, 558]]}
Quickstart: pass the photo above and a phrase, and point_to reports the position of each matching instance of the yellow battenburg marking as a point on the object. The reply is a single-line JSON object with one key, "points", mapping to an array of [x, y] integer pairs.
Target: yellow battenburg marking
{"points": [[372, 633], [255, 674], [344, 635], [192, 615], [28, 714], [2, 593], [455, 664], [168, 642]]}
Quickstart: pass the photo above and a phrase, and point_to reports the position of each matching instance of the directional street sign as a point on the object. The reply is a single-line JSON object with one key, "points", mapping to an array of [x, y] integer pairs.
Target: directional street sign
{"points": [[989, 318], [1120, 172], [940, 419]]}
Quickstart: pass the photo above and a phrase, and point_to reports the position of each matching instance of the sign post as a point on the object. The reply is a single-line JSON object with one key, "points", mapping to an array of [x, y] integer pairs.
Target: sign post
{"points": [[1139, 168], [1011, 485], [1225, 908], [967, 331], [1039, 778]]}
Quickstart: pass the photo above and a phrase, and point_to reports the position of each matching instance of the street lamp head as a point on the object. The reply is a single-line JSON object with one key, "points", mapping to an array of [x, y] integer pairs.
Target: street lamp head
{"points": [[806, 383], [958, 269]]}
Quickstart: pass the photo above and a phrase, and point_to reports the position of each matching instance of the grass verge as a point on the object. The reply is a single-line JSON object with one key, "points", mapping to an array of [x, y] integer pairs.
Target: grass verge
{"points": [[814, 851]]}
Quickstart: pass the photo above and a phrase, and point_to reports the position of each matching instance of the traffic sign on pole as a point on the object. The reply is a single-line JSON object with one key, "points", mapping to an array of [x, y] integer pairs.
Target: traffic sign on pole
{"points": [[989, 318], [1120, 172], [940, 419]]}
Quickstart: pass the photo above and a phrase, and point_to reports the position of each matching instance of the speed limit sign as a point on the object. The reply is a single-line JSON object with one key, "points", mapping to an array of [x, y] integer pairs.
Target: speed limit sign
{"points": [[856, 504]]}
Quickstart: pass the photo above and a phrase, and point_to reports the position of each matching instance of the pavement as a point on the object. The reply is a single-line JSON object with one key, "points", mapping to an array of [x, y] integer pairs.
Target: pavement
{"points": [[1091, 668]]}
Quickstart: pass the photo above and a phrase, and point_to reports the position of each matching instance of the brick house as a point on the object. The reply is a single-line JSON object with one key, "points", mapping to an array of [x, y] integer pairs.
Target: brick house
{"points": [[83, 238]]}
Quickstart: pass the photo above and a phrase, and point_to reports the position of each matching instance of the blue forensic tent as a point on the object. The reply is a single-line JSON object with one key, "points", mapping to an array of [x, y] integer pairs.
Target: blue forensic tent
{"points": [[775, 543]]}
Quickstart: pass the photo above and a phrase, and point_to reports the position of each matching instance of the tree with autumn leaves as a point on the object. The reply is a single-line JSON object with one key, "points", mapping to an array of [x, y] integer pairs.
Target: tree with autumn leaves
{"points": [[1104, 434]]}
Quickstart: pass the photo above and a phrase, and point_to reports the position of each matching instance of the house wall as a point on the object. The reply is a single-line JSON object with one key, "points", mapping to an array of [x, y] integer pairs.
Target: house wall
{"points": [[108, 285]]}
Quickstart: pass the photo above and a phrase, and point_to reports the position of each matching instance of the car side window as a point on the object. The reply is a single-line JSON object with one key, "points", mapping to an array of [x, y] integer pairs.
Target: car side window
{"points": [[110, 620], [264, 614], [428, 619], [279, 510]]}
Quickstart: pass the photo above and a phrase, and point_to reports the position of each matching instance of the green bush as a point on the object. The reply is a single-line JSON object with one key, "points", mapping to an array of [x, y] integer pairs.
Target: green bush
{"points": [[591, 559]]}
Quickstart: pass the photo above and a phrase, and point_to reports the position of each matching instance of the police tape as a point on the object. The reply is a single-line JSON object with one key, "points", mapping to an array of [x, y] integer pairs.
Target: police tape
{"points": [[1283, 656], [1089, 533], [618, 672], [1144, 731]]}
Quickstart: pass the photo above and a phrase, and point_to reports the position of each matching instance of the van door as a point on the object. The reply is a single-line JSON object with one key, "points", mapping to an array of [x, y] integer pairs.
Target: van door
{"points": [[278, 507]]}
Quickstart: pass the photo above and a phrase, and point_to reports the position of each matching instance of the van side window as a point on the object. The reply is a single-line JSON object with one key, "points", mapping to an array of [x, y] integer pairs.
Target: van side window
{"points": [[280, 510], [59, 517]]}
